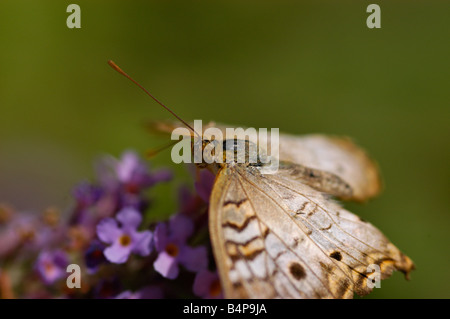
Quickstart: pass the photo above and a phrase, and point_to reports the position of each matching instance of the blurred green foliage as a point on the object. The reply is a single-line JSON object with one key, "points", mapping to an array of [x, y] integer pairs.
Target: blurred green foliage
{"points": [[310, 66]]}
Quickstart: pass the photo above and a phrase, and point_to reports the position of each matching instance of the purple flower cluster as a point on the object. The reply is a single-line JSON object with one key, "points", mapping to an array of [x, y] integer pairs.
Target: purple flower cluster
{"points": [[120, 255], [124, 239]]}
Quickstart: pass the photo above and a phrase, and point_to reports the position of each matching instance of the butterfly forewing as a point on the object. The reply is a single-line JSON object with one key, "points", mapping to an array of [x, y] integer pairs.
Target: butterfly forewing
{"points": [[335, 155]]}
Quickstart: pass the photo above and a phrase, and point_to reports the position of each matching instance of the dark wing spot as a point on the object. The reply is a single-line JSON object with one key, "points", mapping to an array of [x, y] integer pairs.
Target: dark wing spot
{"points": [[326, 228], [336, 255], [236, 203], [239, 227], [297, 271], [344, 286], [326, 267]]}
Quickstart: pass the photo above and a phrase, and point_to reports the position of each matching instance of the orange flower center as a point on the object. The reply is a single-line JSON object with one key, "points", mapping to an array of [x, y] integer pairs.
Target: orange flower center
{"points": [[215, 288], [132, 188], [51, 217], [172, 250], [27, 235], [97, 253], [48, 266], [125, 240]]}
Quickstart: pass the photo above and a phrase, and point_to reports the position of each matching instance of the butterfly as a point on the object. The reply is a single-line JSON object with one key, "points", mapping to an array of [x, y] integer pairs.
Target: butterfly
{"points": [[284, 235]]}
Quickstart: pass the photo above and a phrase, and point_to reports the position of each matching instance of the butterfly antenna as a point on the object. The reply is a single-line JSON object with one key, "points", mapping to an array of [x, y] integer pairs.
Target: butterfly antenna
{"points": [[118, 69]]}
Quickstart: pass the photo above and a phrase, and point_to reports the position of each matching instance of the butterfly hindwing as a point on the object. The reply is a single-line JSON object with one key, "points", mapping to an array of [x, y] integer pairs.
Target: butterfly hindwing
{"points": [[238, 240], [275, 237]]}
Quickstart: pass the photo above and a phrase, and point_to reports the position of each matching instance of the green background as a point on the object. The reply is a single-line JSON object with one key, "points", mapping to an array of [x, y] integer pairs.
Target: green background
{"points": [[305, 67]]}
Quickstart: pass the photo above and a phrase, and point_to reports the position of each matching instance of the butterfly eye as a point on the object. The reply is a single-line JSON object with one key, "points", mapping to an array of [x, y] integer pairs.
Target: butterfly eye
{"points": [[234, 150], [239, 146]]}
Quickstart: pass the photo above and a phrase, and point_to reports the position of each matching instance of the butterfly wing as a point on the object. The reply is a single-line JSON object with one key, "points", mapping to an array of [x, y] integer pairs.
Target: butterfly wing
{"points": [[335, 155], [238, 240], [275, 237]]}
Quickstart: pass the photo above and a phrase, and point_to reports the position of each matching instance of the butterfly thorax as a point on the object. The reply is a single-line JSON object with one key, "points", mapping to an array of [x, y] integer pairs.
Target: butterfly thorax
{"points": [[217, 153]]}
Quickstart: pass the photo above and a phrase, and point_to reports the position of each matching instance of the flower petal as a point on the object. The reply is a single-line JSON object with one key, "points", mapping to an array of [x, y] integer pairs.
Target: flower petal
{"points": [[162, 175], [106, 173], [202, 282], [194, 258], [161, 237], [130, 218], [206, 285], [117, 253], [126, 166], [181, 228], [204, 184], [86, 194], [142, 242], [127, 294], [93, 256], [108, 230], [60, 259], [166, 265], [151, 292]]}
